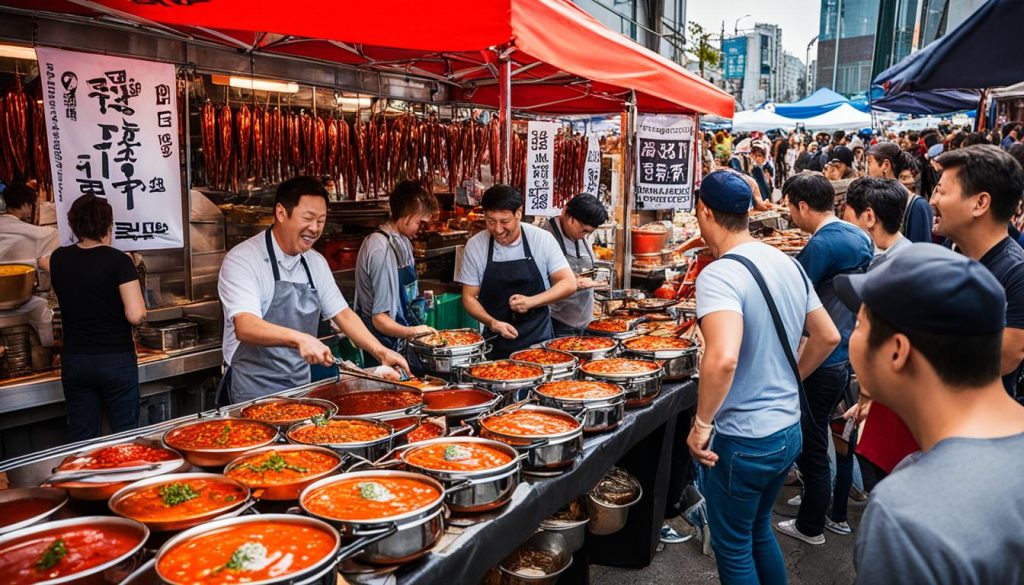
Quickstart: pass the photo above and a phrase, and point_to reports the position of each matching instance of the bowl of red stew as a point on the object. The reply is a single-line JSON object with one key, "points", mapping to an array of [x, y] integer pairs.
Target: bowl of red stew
{"points": [[282, 471], [460, 402], [353, 399], [361, 504], [22, 507], [587, 347], [284, 412], [142, 452], [550, 438], [215, 442], [411, 429], [89, 549], [601, 404], [257, 550], [366, 438], [503, 376], [559, 365], [179, 500], [493, 467], [640, 378]]}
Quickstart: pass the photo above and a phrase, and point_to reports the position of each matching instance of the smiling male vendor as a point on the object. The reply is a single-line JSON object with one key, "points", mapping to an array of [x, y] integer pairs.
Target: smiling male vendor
{"points": [[581, 216], [386, 283], [511, 273], [275, 289]]}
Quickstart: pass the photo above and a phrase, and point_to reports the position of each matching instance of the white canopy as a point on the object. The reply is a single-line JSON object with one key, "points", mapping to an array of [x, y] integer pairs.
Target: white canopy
{"points": [[845, 117], [762, 120]]}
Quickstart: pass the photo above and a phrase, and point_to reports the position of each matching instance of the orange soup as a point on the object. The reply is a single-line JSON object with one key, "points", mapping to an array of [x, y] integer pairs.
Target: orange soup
{"points": [[179, 500], [579, 389], [530, 423], [220, 434], [620, 366], [281, 467], [283, 410], [247, 552], [457, 456], [338, 431], [62, 552], [370, 498]]}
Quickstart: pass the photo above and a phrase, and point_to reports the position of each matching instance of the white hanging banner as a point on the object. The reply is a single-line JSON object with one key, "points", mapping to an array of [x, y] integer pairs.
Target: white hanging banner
{"points": [[592, 169], [664, 161], [540, 168], [112, 125]]}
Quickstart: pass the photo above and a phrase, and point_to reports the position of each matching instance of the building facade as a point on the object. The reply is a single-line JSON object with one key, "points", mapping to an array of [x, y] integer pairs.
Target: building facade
{"points": [[794, 79], [659, 25], [754, 66], [846, 43], [905, 26]]}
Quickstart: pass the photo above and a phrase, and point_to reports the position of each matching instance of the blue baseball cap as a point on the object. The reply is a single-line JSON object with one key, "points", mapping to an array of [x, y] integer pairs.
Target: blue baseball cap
{"points": [[726, 190], [929, 289]]}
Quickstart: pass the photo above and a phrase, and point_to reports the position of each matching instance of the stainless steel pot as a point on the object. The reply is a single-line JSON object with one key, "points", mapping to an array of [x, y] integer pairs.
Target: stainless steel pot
{"points": [[209, 457], [357, 396], [679, 364], [641, 388], [283, 424], [54, 498], [598, 414], [292, 489], [391, 540], [561, 371], [608, 518], [106, 482], [470, 402], [544, 453], [447, 360], [574, 531], [234, 509], [323, 569], [16, 287], [550, 542], [503, 387], [371, 450], [586, 355], [112, 571], [473, 491]]}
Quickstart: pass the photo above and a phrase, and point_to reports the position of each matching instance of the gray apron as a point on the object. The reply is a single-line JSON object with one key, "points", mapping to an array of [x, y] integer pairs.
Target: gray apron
{"points": [[256, 371], [574, 312]]}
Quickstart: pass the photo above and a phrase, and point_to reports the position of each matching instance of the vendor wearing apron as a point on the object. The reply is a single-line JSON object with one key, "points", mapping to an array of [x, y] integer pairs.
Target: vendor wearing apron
{"points": [[511, 273], [387, 290], [581, 216], [275, 289]]}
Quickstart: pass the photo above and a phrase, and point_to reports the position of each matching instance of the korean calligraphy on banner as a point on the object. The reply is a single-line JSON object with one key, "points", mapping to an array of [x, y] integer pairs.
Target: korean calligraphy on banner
{"points": [[113, 130], [592, 168], [664, 167], [540, 168]]}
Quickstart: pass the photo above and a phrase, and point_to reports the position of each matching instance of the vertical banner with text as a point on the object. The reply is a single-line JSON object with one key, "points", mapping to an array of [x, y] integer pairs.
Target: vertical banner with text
{"points": [[664, 161], [592, 169], [112, 125], [540, 168]]}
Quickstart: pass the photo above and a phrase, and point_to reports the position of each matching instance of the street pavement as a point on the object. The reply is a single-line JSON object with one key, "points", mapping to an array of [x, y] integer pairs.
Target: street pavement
{"points": [[681, 564]]}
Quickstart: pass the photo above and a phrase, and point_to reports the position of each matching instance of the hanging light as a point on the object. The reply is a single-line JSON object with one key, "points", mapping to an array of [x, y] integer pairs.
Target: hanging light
{"points": [[254, 84], [353, 102], [18, 52]]}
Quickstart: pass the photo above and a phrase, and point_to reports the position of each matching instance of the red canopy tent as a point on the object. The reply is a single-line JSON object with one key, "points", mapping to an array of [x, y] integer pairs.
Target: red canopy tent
{"points": [[561, 60]]}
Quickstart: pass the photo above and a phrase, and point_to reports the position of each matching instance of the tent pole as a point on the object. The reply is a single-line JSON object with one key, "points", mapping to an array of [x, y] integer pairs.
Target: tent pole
{"points": [[629, 155], [505, 115]]}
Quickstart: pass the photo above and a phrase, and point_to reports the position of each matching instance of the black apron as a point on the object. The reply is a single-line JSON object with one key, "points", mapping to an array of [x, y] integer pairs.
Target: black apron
{"points": [[256, 371], [502, 280], [572, 314]]}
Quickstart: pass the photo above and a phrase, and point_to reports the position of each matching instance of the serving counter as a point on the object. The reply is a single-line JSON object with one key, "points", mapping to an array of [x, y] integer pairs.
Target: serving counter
{"points": [[471, 545]]}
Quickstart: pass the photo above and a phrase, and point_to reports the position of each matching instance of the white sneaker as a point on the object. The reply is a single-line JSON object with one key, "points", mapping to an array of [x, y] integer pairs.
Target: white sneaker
{"points": [[795, 500], [838, 527], [788, 527]]}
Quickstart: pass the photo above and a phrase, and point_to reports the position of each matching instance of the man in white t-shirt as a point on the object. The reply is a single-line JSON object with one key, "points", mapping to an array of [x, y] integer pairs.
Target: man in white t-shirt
{"points": [[275, 289], [749, 391], [511, 273]]}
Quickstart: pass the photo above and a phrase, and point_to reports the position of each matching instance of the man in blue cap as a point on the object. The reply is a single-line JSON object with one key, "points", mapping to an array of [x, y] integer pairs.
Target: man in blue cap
{"points": [[753, 306], [953, 512]]}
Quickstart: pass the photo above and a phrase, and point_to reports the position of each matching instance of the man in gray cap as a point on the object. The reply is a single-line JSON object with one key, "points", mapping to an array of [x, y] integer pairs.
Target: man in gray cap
{"points": [[953, 512], [753, 307]]}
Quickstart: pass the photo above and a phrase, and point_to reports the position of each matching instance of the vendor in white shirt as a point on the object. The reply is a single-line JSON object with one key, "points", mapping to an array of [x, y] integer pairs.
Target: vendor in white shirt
{"points": [[511, 273], [20, 239], [275, 289]]}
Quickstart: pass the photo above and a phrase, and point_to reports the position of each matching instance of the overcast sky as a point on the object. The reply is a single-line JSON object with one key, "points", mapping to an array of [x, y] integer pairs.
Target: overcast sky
{"points": [[797, 18]]}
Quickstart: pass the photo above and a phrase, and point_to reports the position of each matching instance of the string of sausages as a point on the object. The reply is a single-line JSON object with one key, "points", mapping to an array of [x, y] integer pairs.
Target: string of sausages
{"points": [[24, 150], [370, 155]]}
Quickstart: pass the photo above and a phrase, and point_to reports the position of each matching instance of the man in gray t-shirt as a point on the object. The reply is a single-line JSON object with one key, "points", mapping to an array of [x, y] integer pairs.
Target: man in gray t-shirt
{"points": [[955, 512]]}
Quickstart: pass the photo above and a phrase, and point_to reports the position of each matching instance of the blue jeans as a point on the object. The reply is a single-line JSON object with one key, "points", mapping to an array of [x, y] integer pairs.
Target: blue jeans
{"points": [[741, 490], [97, 385]]}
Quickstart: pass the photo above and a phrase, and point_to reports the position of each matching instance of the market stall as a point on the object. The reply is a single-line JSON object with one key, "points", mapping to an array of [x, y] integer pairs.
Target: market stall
{"points": [[450, 102]]}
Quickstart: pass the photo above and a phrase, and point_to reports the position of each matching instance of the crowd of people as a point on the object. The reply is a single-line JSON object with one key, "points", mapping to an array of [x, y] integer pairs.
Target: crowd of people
{"points": [[896, 335]]}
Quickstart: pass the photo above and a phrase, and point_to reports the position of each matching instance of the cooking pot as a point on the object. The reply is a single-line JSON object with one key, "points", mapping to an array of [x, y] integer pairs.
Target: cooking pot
{"points": [[564, 370], [371, 450], [443, 360], [679, 364], [585, 355], [459, 403], [46, 503], [649, 239], [116, 503], [284, 423], [488, 489], [641, 387], [218, 457], [289, 490], [16, 284], [102, 483], [506, 388], [598, 414], [544, 453]]}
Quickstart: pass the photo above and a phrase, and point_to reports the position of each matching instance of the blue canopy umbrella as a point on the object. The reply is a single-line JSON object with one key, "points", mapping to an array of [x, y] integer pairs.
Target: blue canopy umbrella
{"points": [[822, 101], [978, 54], [939, 101]]}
